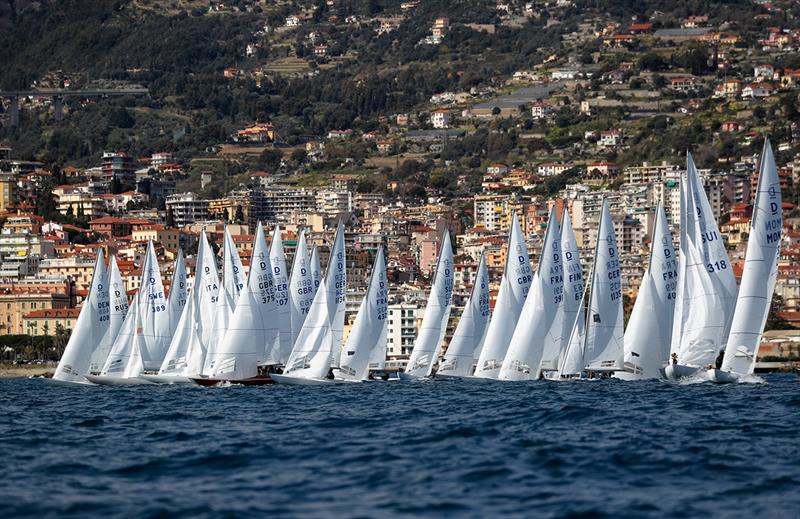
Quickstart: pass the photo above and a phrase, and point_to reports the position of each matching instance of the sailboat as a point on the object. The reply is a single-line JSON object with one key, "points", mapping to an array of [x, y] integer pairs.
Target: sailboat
{"points": [[603, 337], [514, 287], [434, 322], [117, 310], [313, 353], [253, 325], [316, 270], [301, 287], [186, 354], [758, 277], [647, 337], [370, 327], [90, 328], [573, 291], [706, 291], [471, 330], [233, 280], [537, 337], [280, 279], [143, 345]]}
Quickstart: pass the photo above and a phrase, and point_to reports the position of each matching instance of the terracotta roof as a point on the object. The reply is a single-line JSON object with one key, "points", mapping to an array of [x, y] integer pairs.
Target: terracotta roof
{"points": [[54, 313]]}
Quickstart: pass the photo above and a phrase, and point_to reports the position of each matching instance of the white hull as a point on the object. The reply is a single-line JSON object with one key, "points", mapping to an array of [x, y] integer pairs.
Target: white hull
{"points": [[723, 377], [445, 376], [678, 371], [627, 375], [406, 377], [66, 383], [116, 381], [300, 381], [167, 379]]}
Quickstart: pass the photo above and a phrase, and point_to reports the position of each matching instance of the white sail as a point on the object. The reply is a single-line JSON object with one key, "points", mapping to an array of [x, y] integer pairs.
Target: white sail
{"points": [[187, 351], [91, 326], [369, 328], [647, 338], [316, 269], [233, 280], [603, 346], [572, 363], [316, 348], [760, 270], [301, 287], [122, 348], [709, 286], [573, 281], [336, 283], [178, 291], [471, 330], [154, 314], [118, 309], [536, 342], [254, 322], [514, 287], [434, 322], [280, 280], [681, 301]]}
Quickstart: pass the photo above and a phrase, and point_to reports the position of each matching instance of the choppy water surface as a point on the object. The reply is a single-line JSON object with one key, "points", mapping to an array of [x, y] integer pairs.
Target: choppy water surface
{"points": [[441, 448]]}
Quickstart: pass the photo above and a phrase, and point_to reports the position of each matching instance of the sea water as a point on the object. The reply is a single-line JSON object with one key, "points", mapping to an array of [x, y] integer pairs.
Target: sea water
{"points": [[392, 449]]}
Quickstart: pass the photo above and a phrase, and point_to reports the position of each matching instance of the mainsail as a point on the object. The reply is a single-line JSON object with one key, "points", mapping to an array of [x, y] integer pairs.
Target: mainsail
{"points": [[434, 322], [90, 328], [647, 338], [471, 330], [760, 270], [280, 281], [233, 280], [573, 281], [154, 317], [178, 291], [336, 284], [706, 284], [314, 351], [514, 287], [369, 329], [301, 287], [118, 309], [187, 351], [603, 344], [254, 322], [536, 342]]}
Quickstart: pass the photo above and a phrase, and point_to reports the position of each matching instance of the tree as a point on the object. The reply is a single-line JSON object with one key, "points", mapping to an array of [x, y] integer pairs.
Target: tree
{"points": [[116, 186], [170, 218], [239, 214], [71, 211]]}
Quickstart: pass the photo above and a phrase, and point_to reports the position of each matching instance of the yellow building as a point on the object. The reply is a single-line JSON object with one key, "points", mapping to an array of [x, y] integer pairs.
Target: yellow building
{"points": [[6, 192], [14, 305], [46, 322], [167, 237]]}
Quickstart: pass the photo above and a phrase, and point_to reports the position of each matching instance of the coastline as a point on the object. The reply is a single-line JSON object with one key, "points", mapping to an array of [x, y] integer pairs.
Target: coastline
{"points": [[24, 371]]}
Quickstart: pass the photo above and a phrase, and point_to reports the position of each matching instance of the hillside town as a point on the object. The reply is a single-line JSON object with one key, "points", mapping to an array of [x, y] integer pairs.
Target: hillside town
{"points": [[608, 113]]}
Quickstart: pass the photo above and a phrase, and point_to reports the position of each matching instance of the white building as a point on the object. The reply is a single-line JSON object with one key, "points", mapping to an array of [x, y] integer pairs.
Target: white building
{"points": [[441, 118]]}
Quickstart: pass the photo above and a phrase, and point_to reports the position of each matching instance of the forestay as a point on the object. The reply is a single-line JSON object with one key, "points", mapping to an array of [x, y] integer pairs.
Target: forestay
{"points": [[471, 330], [514, 287]]}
